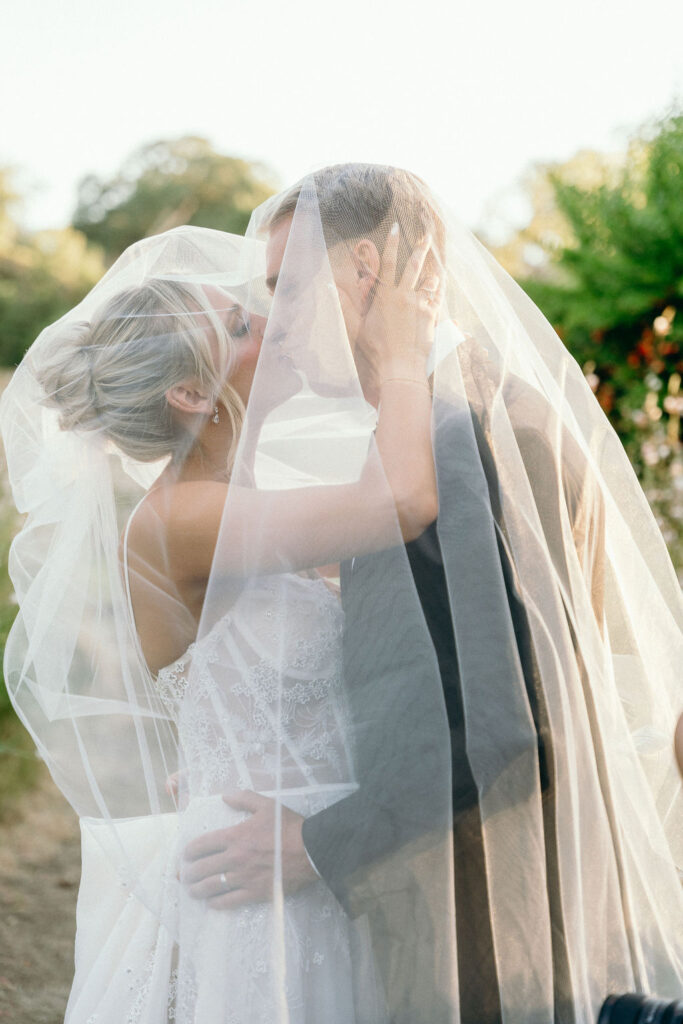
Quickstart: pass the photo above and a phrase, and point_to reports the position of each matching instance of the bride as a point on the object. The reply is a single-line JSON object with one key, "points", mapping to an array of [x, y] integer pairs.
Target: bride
{"points": [[238, 649], [452, 796]]}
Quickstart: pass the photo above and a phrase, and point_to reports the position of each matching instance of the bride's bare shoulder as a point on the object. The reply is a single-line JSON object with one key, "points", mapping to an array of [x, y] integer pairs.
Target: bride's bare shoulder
{"points": [[177, 524], [185, 499]]}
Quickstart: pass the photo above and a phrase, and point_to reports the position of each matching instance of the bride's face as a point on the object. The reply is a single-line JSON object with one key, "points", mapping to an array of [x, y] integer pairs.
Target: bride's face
{"points": [[246, 332]]}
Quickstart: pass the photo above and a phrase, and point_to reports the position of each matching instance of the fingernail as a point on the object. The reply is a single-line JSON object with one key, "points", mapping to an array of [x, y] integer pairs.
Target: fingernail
{"points": [[394, 228]]}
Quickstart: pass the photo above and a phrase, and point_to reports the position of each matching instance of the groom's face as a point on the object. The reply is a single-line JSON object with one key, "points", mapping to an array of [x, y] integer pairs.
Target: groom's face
{"points": [[352, 286]]}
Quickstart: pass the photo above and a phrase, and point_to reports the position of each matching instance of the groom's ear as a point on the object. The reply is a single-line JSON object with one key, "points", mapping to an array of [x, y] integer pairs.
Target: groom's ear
{"points": [[366, 262]]}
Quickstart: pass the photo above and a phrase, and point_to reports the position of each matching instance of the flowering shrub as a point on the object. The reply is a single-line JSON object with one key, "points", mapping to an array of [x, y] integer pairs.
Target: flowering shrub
{"points": [[610, 281], [648, 418]]}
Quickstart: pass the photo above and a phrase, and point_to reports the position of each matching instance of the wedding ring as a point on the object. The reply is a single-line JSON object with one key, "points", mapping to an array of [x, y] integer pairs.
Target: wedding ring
{"points": [[224, 881]]}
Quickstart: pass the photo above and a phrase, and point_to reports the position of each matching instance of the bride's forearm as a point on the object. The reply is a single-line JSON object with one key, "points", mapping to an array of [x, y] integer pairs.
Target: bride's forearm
{"points": [[404, 442], [266, 531]]}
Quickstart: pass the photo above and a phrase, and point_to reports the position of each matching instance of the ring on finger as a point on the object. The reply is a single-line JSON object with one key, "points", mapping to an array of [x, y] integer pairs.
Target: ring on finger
{"points": [[224, 881]]}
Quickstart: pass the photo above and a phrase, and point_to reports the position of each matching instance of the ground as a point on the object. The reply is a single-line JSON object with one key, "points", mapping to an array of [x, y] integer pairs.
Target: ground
{"points": [[39, 875]]}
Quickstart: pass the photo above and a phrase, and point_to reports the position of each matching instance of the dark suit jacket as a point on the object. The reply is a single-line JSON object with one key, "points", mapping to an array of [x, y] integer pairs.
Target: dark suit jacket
{"points": [[403, 684], [403, 680]]}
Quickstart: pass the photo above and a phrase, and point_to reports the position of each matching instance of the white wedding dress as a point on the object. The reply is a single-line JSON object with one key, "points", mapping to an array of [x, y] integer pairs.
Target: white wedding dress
{"points": [[250, 716]]}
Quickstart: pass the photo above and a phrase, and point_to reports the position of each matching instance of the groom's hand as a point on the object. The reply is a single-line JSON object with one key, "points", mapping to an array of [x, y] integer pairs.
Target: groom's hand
{"points": [[234, 866]]}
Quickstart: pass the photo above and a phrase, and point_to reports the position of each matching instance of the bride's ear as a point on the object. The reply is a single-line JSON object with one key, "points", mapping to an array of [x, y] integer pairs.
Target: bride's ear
{"points": [[190, 397]]}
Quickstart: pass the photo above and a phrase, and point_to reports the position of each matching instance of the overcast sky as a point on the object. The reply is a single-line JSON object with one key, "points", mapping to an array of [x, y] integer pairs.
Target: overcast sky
{"points": [[466, 94]]}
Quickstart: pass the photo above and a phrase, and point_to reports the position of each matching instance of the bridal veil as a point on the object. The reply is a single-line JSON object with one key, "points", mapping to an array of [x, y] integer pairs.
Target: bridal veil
{"points": [[521, 787]]}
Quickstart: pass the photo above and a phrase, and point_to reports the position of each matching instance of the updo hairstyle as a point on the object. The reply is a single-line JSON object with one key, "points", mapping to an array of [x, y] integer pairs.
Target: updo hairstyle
{"points": [[112, 374]]}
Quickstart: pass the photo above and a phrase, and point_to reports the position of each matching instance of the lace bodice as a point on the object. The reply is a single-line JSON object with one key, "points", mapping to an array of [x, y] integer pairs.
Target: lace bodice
{"points": [[258, 700], [258, 704]]}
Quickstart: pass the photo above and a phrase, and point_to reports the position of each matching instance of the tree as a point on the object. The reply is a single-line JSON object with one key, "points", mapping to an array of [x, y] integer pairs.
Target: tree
{"points": [[167, 183], [610, 279], [622, 270], [527, 252], [42, 275]]}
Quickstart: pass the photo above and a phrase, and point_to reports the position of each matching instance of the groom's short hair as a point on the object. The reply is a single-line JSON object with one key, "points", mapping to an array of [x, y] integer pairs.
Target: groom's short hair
{"points": [[363, 201]]}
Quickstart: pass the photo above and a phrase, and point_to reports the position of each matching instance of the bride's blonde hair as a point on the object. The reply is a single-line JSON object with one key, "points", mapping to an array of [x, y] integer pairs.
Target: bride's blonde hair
{"points": [[111, 374]]}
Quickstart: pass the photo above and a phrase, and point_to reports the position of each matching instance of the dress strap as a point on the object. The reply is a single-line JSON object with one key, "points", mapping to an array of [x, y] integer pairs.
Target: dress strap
{"points": [[126, 577]]}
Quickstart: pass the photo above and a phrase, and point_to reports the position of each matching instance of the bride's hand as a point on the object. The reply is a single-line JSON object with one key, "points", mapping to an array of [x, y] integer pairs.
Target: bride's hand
{"points": [[234, 866], [398, 330]]}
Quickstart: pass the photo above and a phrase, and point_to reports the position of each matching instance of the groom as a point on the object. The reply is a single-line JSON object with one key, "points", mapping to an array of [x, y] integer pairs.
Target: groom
{"points": [[337, 842]]}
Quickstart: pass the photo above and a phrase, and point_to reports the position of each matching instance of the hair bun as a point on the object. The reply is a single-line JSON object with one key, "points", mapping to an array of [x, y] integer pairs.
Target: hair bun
{"points": [[66, 375], [111, 373]]}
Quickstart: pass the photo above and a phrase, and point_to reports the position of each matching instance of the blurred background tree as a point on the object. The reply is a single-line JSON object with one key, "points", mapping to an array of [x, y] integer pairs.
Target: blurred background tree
{"points": [[527, 252], [42, 274], [602, 255], [167, 183], [162, 185]]}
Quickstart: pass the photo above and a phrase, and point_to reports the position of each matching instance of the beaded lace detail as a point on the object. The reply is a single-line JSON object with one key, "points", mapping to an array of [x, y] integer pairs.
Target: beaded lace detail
{"points": [[259, 699], [259, 704]]}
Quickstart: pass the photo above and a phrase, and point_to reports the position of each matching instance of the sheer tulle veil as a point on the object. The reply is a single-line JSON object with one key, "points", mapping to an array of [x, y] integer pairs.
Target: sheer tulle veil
{"points": [[533, 767]]}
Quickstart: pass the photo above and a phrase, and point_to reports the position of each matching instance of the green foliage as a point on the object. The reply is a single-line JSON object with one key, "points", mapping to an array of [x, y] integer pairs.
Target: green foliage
{"points": [[167, 183], [624, 267], [42, 275], [614, 295], [32, 295]]}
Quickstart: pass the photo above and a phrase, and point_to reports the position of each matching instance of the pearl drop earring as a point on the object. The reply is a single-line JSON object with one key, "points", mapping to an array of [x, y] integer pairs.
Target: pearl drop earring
{"points": [[215, 418]]}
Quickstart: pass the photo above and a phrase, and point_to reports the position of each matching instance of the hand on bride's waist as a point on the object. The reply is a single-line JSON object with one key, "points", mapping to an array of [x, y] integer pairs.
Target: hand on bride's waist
{"points": [[234, 866]]}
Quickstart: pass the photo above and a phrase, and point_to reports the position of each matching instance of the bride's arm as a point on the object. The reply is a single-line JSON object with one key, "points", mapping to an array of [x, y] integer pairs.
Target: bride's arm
{"points": [[282, 530], [396, 496]]}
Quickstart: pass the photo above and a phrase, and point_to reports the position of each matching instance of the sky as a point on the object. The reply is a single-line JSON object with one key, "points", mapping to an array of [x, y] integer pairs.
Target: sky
{"points": [[468, 95]]}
